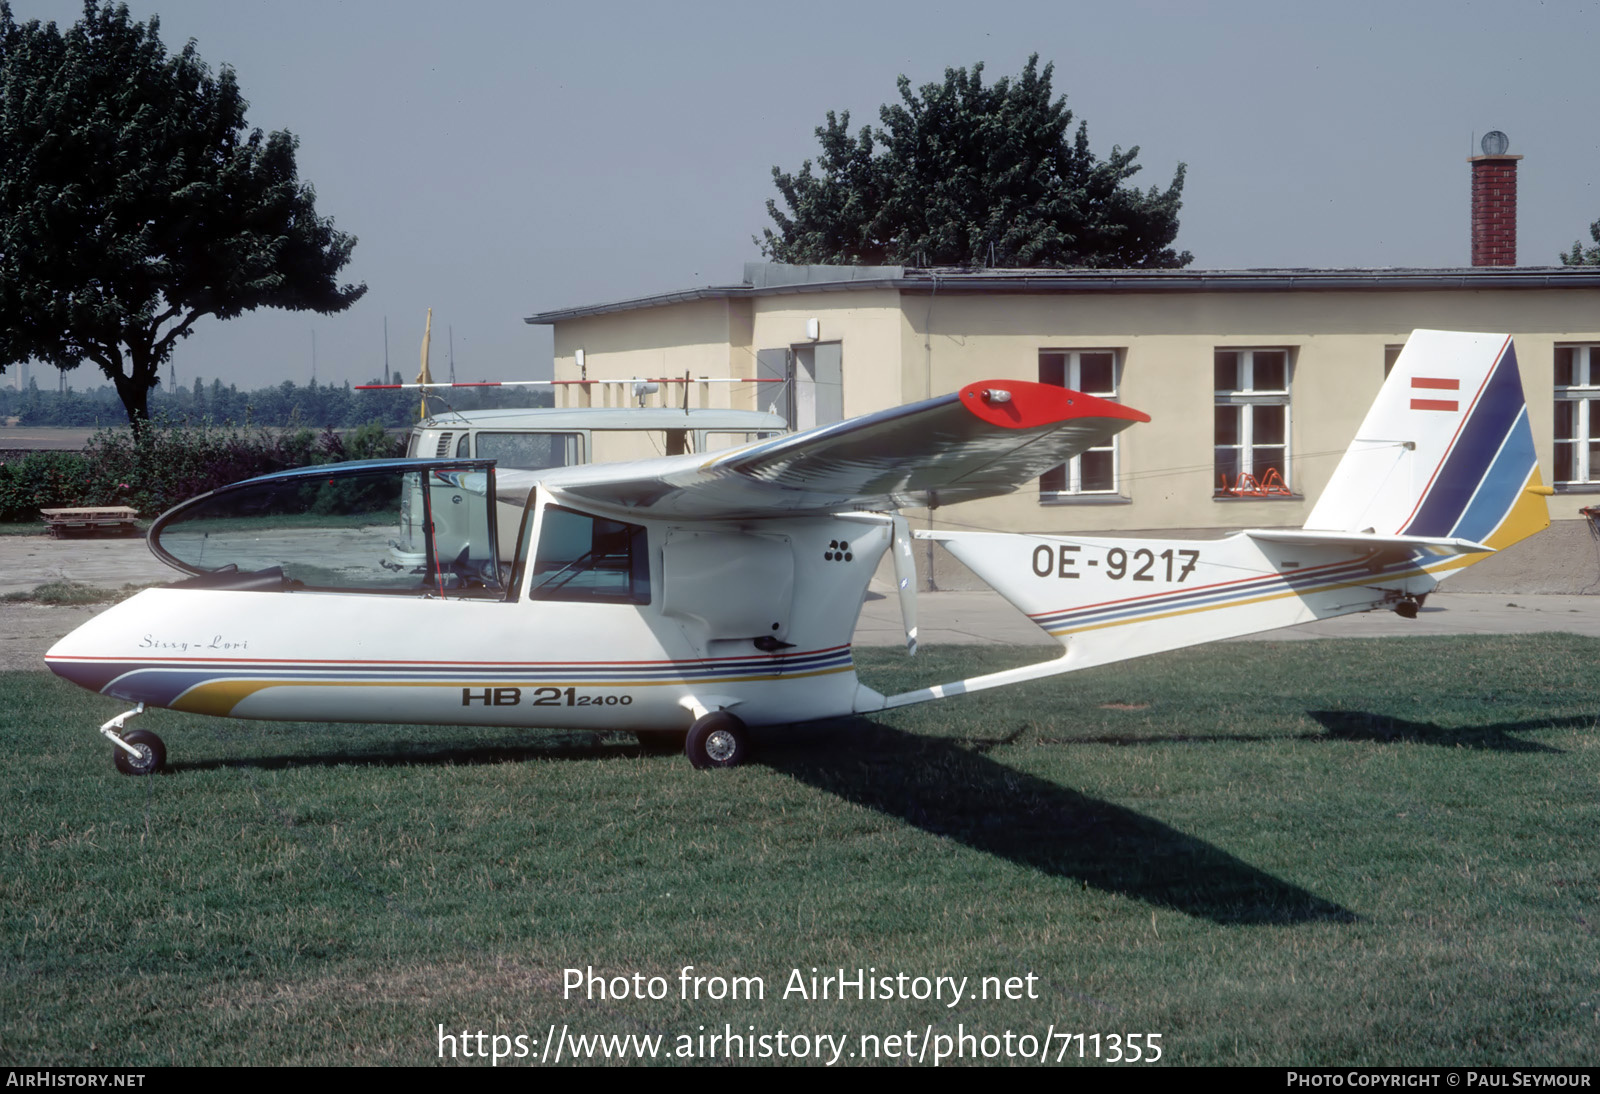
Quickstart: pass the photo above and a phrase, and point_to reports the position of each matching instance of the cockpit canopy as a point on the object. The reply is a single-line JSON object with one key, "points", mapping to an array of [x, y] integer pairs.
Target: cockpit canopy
{"points": [[400, 526]]}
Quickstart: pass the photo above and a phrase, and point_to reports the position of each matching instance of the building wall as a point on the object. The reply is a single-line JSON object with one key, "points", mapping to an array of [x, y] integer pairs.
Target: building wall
{"points": [[1336, 343], [898, 347], [705, 338]]}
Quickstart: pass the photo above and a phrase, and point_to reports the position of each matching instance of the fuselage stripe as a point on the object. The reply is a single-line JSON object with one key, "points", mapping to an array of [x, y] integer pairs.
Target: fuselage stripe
{"points": [[1068, 621], [1210, 594]]}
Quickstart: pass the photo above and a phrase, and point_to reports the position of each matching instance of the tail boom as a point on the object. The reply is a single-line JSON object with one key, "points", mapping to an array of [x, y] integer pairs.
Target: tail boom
{"points": [[1441, 474], [1110, 599]]}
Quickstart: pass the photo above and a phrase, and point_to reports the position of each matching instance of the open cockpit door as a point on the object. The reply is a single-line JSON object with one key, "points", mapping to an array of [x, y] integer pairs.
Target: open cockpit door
{"points": [[379, 526]]}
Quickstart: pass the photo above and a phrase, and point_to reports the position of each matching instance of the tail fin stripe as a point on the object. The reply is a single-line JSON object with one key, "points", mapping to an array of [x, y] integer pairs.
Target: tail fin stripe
{"points": [[1501, 485], [1477, 397], [1493, 413]]}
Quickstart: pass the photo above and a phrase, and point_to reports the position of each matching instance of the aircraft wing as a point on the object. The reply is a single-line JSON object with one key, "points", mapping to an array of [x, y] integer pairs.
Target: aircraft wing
{"points": [[986, 439]]}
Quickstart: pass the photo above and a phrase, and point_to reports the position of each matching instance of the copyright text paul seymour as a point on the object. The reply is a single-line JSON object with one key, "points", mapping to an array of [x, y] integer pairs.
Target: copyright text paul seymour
{"points": [[1463, 1078]]}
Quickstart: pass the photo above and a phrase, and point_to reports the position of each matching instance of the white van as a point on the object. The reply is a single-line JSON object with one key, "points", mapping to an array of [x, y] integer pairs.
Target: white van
{"points": [[533, 440], [536, 440]]}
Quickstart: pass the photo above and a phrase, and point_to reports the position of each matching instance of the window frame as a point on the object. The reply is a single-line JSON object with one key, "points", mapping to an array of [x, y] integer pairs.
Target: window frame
{"points": [[1249, 398], [1071, 475], [639, 589], [1582, 393]]}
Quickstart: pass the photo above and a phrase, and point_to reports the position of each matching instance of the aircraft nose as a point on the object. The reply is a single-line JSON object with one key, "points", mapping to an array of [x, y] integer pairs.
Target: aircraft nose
{"points": [[82, 655]]}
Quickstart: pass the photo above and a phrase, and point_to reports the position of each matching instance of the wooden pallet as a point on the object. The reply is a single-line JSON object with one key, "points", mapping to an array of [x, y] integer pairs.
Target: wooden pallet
{"points": [[89, 519]]}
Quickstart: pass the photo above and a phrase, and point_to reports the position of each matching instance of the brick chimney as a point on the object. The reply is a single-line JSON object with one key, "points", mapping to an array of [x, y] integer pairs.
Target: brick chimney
{"points": [[1494, 203]]}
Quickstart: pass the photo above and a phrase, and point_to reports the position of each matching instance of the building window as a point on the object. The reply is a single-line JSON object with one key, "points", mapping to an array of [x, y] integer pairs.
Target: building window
{"points": [[1577, 430], [1093, 372], [1252, 422]]}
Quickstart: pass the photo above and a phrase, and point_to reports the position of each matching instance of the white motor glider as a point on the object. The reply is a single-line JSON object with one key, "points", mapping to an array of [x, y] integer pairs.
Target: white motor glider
{"points": [[709, 593]]}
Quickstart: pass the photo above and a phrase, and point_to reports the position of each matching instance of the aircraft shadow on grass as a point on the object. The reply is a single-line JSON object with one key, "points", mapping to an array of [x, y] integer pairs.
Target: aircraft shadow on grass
{"points": [[951, 789], [1360, 725], [945, 788]]}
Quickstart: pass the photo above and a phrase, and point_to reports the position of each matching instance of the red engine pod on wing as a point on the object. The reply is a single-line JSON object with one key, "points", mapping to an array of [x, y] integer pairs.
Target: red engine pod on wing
{"points": [[1020, 404]]}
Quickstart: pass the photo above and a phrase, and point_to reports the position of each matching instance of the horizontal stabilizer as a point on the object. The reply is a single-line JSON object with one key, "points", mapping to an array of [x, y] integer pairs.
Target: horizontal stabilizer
{"points": [[1444, 545]]}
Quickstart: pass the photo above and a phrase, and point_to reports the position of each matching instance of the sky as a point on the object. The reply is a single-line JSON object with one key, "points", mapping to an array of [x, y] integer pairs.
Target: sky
{"points": [[496, 159]]}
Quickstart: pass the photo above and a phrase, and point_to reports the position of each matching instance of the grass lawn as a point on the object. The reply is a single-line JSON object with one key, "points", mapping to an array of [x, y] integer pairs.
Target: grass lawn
{"points": [[1330, 852]]}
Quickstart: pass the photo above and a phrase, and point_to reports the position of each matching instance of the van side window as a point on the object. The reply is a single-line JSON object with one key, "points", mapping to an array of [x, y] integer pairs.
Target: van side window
{"points": [[583, 557], [529, 451]]}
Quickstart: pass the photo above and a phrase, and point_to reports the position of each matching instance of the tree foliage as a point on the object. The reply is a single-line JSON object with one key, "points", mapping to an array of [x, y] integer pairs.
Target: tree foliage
{"points": [[133, 201], [287, 404], [963, 174], [1581, 255]]}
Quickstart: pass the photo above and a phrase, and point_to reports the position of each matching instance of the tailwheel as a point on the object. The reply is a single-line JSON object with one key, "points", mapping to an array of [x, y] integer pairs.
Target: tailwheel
{"points": [[717, 739], [149, 754]]}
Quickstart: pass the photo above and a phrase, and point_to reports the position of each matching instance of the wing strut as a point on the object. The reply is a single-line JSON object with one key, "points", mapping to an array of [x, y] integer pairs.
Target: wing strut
{"points": [[905, 580]]}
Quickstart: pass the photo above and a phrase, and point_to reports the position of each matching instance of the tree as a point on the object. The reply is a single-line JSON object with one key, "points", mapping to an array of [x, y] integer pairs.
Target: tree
{"points": [[963, 174], [133, 202], [1581, 255]]}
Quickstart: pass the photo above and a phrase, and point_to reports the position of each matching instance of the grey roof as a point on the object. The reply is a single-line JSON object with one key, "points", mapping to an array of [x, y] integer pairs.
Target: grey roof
{"points": [[774, 279]]}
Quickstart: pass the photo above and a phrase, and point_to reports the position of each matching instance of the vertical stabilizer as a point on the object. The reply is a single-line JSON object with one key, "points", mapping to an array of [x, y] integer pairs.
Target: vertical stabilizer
{"points": [[1445, 451]]}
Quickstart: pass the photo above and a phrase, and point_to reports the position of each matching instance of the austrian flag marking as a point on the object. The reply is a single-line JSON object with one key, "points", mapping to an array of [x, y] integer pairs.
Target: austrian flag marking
{"points": [[1434, 383]]}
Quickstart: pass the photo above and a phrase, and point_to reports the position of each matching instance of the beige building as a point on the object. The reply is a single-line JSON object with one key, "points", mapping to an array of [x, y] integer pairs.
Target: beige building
{"points": [[1255, 380]]}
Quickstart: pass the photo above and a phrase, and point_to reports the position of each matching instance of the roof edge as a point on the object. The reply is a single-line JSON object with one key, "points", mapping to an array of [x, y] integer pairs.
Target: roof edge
{"points": [[910, 279]]}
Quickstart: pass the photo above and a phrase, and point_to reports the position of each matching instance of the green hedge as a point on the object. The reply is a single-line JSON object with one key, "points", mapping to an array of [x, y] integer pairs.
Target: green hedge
{"points": [[166, 464]]}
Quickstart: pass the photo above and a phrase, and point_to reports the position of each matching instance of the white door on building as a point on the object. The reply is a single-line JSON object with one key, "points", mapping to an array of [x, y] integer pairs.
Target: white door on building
{"points": [[818, 372], [813, 383], [813, 390]]}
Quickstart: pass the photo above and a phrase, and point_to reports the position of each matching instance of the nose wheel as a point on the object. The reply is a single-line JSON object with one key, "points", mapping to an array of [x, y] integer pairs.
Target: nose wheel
{"points": [[135, 752], [149, 755]]}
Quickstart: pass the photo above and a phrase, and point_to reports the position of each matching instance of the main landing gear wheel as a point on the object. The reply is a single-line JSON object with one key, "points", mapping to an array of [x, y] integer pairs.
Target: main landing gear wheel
{"points": [[152, 753], [718, 739]]}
